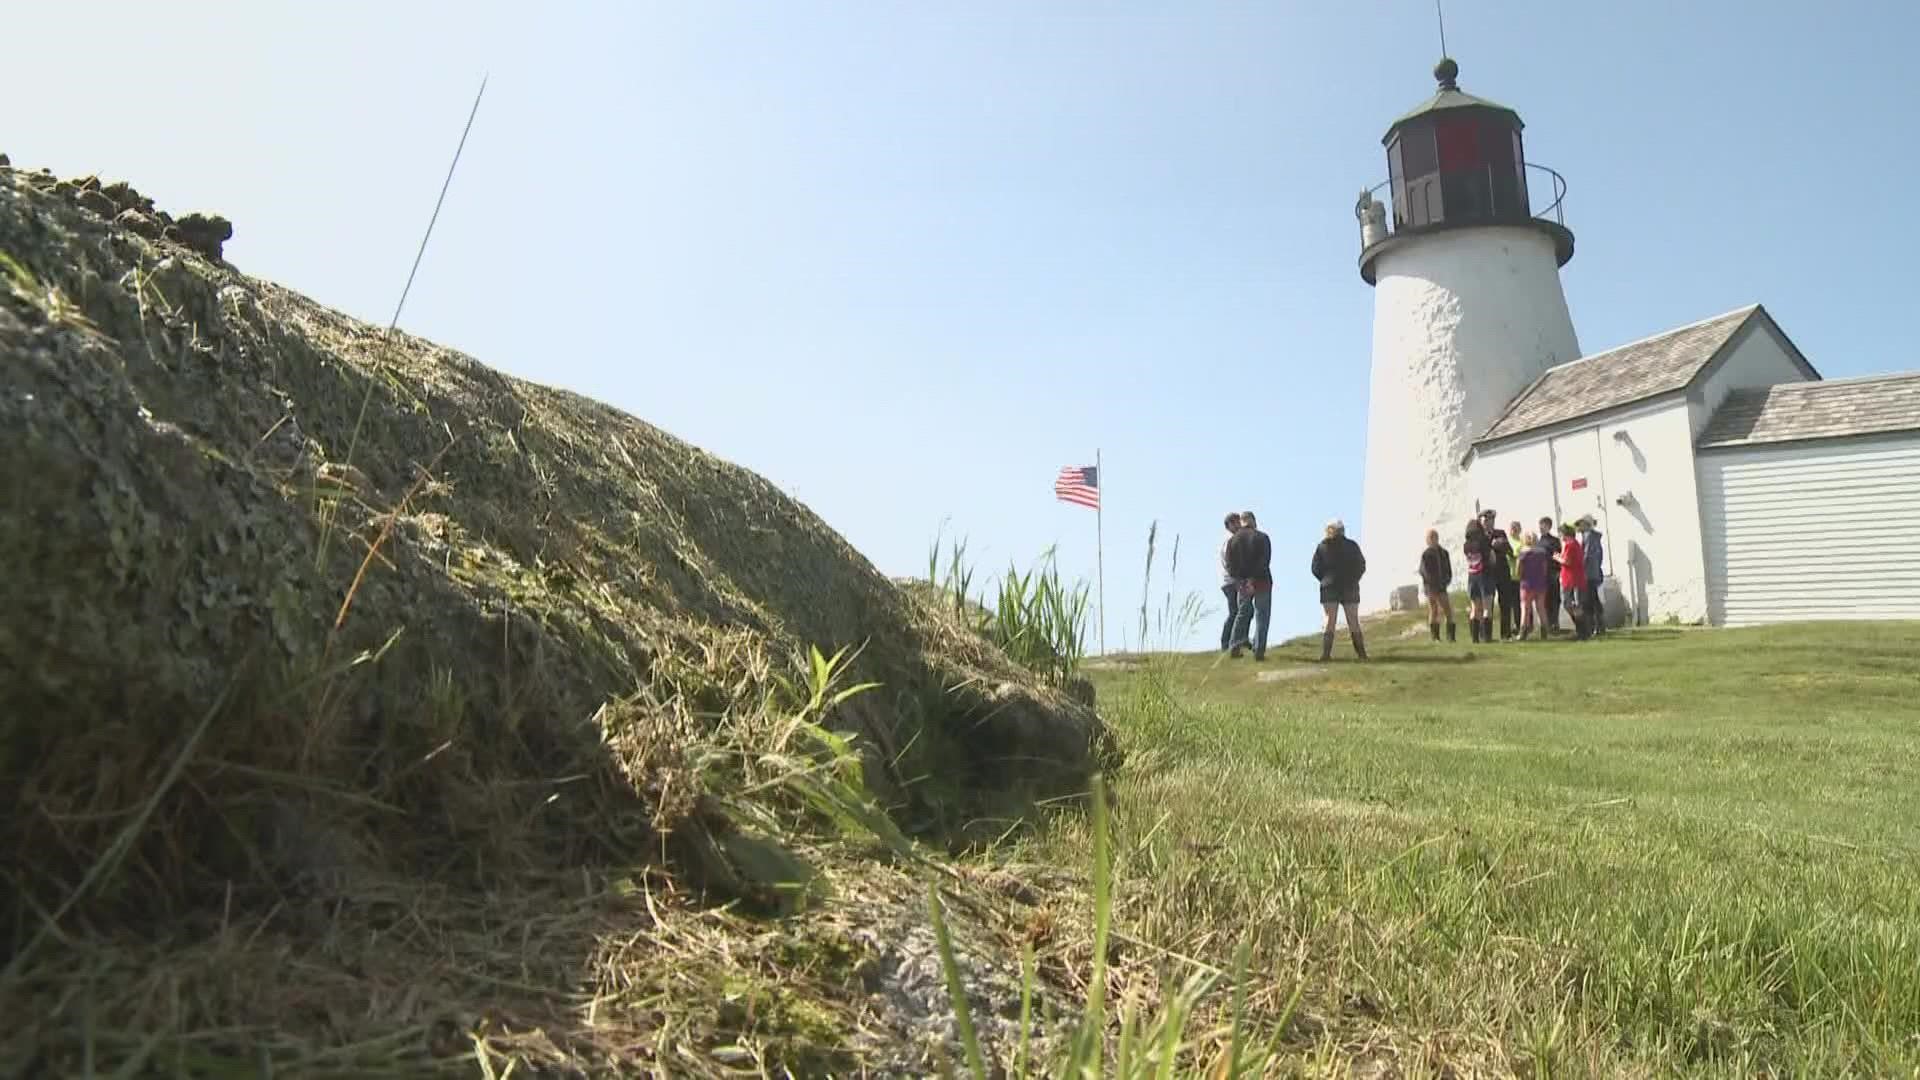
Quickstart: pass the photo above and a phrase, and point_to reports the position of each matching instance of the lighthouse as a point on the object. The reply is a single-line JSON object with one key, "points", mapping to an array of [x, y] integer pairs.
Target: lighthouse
{"points": [[1468, 311]]}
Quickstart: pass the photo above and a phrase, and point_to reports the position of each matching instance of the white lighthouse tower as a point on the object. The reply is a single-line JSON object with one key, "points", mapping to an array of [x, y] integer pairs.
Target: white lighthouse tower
{"points": [[1468, 310]]}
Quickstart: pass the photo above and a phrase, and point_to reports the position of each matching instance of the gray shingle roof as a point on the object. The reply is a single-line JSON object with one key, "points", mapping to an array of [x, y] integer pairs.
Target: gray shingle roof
{"points": [[1620, 376], [1789, 412], [1452, 99]]}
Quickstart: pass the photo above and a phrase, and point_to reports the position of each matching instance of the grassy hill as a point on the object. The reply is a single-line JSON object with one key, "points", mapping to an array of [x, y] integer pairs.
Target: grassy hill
{"points": [[1668, 852]]}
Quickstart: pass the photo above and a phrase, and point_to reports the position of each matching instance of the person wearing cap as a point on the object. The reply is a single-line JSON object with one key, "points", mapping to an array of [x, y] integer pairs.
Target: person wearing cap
{"points": [[1338, 565], [1229, 585], [1593, 557], [1550, 540], [1500, 575], [1573, 578]]}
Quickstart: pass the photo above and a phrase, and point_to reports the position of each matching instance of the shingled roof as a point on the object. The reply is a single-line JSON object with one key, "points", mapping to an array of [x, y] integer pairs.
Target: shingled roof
{"points": [[1621, 376], [1791, 412]]}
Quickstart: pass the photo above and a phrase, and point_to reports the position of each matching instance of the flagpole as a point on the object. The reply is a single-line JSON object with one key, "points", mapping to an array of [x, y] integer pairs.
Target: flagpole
{"points": [[1099, 542]]}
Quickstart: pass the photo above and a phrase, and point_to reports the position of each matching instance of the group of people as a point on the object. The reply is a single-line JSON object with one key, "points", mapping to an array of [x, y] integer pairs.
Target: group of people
{"points": [[1246, 580], [1530, 577]]}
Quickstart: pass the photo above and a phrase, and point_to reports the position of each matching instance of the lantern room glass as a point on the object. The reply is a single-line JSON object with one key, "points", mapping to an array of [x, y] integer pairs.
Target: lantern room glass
{"points": [[1456, 166]]}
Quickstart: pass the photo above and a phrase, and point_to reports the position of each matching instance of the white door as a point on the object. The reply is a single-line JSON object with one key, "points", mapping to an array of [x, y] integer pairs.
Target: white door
{"points": [[1799, 531], [1579, 485]]}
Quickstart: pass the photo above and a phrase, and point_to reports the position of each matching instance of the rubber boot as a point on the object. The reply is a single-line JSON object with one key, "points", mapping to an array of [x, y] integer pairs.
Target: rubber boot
{"points": [[1359, 643], [1326, 646], [1435, 628], [1474, 625], [1452, 633]]}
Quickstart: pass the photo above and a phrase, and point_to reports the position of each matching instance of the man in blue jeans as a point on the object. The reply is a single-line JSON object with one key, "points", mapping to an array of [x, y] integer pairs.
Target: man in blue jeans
{"points": [[1250, 561], [1229, 585]]}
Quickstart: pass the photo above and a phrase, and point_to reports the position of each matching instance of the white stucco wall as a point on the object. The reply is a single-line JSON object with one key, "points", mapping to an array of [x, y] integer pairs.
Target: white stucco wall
{"points": [[1759, 359], [1652, 544], [1463, 321]]}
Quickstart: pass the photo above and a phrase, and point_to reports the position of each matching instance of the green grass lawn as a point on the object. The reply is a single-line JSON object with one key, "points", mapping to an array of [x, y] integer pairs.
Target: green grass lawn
{"points": [[1670, 851]]}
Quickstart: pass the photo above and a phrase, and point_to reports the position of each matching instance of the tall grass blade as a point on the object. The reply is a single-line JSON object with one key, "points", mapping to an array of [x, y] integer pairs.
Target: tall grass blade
{"points": [[956, 986], [1241, 963], [1027, 975]]}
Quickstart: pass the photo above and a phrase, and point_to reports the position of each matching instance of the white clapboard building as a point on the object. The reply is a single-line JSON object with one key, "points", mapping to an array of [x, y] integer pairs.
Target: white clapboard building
{"points": [[1732, 484]]}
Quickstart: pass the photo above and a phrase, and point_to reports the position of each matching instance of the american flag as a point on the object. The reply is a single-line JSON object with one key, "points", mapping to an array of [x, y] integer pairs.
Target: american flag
{"points": [[1079, 484]]}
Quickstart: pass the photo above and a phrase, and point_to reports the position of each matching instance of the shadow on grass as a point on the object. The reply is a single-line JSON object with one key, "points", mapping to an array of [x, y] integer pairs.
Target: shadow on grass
{"points": [[1424, 658]]}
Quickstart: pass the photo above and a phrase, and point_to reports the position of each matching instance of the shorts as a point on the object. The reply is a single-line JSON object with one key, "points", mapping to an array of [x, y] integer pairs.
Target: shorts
{"points": [[1480, 588], [1335, 594]]}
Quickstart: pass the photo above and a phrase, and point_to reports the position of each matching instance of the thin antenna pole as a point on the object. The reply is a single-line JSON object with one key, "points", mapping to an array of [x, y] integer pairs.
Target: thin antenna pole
{"points": [[359, 421], [1442, 17], [448, 182], [1100, 543]]}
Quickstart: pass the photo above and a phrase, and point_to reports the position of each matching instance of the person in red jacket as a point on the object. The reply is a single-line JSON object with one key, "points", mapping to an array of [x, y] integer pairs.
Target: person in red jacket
{"points": [[1573, 578]]}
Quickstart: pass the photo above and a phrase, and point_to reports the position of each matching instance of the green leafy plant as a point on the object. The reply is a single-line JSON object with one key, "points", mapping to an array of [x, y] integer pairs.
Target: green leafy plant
{"points": [[1034, 616]]}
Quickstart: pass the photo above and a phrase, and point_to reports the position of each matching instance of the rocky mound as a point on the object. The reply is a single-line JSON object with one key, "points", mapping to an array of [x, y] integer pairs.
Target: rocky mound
{"points": [[334, 651]]}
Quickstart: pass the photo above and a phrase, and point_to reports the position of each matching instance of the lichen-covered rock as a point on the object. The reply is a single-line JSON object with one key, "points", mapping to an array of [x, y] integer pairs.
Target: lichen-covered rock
{"points": [[376, 562]]}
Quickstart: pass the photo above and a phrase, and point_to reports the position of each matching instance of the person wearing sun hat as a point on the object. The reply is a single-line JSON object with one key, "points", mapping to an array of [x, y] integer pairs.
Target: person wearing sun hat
{"points": [[1593, 557]]}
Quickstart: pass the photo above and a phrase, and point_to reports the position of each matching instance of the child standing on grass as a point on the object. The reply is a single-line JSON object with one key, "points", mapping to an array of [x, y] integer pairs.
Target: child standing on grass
{"points": [[1551, 542], [1436, 577], [1573, 579], [1535, 564], [1479, 584]]}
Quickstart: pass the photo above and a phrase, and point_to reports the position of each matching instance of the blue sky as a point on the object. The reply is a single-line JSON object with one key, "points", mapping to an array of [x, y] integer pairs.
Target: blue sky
{"points": [[907, 260]]}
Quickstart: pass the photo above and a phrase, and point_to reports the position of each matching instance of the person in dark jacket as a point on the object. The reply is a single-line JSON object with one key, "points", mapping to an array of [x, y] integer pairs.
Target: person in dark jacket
{"points": [[1550, 540], [1500, 575], [1436, 577], [1338, 565], [1479, 554], [1250, 561], [1596, 561]]}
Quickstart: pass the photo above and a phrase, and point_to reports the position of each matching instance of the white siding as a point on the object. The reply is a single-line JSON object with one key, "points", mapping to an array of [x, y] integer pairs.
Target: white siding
{"points": [[1644, 455], [1463, 320], [1760, 359], [1812, 530]]}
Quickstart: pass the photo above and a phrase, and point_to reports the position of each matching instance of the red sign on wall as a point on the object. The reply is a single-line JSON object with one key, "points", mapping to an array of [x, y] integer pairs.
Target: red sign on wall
{"points": [[1579, 483]]}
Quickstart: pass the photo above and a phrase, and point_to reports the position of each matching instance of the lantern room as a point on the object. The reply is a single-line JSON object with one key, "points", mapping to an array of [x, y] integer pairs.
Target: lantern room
{"points": [[1459, 160]]}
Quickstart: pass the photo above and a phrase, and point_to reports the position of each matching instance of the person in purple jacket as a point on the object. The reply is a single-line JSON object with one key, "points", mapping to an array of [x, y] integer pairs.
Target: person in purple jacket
{"points": [[1536, 565]]}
